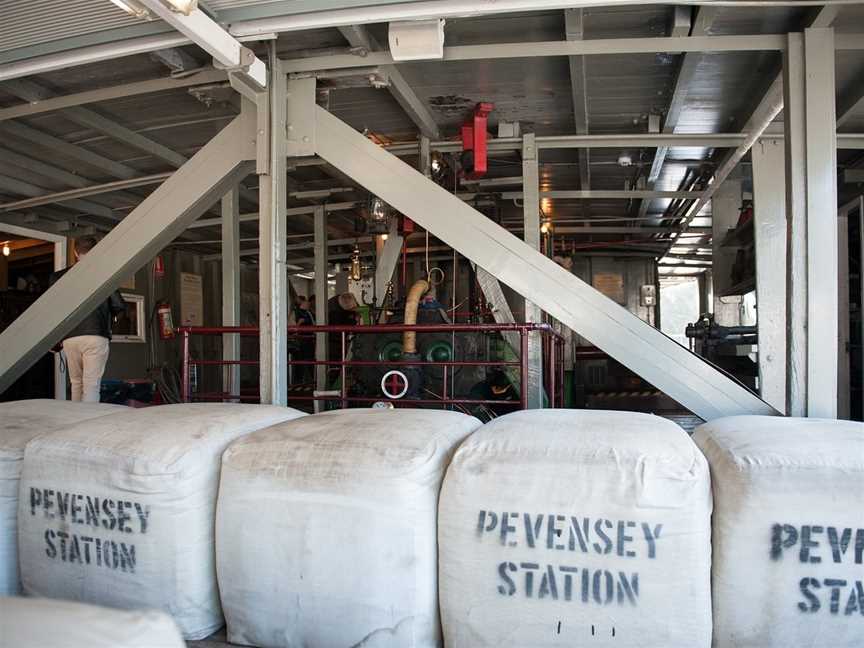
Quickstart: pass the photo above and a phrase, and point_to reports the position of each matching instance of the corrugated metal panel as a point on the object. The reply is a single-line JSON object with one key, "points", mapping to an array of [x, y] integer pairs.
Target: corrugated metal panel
{"points": [[40, 21], [34, 22]]}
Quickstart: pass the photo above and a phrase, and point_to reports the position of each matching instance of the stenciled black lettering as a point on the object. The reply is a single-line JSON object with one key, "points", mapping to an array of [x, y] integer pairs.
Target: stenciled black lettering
{"points": [[86, 541], [578, 534], [606, 547], [783, 536], [859, 546], [63, 505], [548, 586], [506, 527], [835, 584], [91, 511], [143, 516], [35, 499], [123, 517], [532, 532], [63, 536], [74, 549], [568, 580], [603, 587], [840, 543], [529, 577], [812, 604], [585, 589], [127, 557], [856, 600], [48, 502], [651, 537], [628, 588], [482, 524], [807, 543], [510, 588], [75, 505], [111, 522], [553, 533], [623, 538], [50, 549]]}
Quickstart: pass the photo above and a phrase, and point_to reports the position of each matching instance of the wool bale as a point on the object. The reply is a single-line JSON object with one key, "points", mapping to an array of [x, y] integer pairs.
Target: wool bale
{"points": [[568, 527], [788, 531], [326, 529], [48, 623], [120, 510], [21, 421]]}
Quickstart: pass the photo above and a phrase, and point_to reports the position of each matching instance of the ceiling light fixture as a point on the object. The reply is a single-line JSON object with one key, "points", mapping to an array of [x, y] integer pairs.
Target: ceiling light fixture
{"points": [[6, 250], [184, 7], [132, 8]]}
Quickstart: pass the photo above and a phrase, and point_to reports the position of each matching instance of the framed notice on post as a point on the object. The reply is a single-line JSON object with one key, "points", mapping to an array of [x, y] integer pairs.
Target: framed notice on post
{"points": [[610, 284], [191, 300]]}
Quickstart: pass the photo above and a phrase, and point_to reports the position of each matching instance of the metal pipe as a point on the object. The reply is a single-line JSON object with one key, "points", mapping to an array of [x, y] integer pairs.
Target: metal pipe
{"points": [[412, 302], [186, 391]]}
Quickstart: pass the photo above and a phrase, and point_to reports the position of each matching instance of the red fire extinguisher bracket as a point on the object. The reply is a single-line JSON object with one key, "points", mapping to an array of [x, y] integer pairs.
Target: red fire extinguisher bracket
{"points": [[474, 138]]}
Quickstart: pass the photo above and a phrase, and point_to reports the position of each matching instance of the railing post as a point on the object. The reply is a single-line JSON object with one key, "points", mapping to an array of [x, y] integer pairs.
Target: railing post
{"points": [[185, 395], [553, 369], [523, 368], [343, 385]]}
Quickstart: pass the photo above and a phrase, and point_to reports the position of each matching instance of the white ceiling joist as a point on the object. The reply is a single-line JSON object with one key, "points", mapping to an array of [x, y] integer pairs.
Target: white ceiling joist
{"points": [[227, 52]]}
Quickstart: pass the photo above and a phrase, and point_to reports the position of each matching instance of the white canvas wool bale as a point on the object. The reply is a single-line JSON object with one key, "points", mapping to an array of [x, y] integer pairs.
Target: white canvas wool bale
{"points": [[788, 531], [120, 510], [48, 623], [20, 421], [326, 529], [571, 528]]}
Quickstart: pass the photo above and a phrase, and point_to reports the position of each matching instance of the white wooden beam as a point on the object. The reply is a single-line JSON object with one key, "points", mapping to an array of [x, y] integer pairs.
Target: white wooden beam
{"points": [[602, 46], [272, 231], [33, 92], [821, 173], [690, 380], [227, 51], [153, 224], [120, 91], [574, 28], [63, 147], [231, 287], [769, 221]]}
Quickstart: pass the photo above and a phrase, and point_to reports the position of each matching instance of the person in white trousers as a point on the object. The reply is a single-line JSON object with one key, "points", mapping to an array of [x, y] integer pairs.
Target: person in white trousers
{"points": [[86, 346]]}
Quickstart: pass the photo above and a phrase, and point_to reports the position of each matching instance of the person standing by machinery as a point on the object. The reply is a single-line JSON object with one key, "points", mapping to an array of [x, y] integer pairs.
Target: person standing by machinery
{"points": [[86, 347]]}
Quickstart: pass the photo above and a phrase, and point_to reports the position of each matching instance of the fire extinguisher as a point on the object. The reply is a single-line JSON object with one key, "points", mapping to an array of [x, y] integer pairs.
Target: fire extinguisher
{"points": [[166, 322]]}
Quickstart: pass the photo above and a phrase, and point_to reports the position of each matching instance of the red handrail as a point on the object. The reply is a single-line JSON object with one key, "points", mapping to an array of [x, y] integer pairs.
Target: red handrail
{"points": [[553, 344]]}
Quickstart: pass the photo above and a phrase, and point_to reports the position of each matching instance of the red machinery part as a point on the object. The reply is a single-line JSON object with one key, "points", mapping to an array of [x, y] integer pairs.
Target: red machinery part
{"points": [[474, 138]]}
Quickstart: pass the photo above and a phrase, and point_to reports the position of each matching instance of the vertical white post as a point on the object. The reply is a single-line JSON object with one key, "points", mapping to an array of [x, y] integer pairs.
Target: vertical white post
{"points": [[531, 214], [843, 357], [231, 288], [769, 213], [796, 225], [320, 226], [273, 271], [725, 210], [821, 170], [60, 257]]}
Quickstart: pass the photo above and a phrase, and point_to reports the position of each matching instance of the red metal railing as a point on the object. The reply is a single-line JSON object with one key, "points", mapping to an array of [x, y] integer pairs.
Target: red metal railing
{"points": [[553, 362]]}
